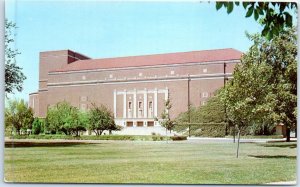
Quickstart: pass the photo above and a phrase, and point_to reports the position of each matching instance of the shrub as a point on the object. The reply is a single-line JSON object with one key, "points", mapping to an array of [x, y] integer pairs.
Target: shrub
{"points": [[178, 138]]}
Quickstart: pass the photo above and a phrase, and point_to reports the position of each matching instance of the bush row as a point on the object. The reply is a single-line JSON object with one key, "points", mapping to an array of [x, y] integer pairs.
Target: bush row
{"points": [[103, 137]]}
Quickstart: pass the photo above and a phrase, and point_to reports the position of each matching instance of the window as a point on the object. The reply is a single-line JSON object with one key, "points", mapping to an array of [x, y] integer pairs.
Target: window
{"points": [[83, 98], [150, 105], [140, 105], [83, 77], [203, 103], [129, 105], [110, 76], [83, 107], [172, 72], [204, 94], [140, 74], [204, 70]]}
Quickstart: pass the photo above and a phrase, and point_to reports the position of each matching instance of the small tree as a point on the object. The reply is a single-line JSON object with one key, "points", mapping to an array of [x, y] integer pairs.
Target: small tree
{"points": [[18, 115], [101, 119], [36, 126], [166, 122]]}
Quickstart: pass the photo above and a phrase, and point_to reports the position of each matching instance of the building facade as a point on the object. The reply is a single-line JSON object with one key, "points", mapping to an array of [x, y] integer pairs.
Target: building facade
{"points": [[134, 88]]}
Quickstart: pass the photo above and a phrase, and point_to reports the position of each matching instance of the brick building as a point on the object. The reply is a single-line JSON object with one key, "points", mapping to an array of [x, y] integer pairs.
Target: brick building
{"points": [[134, 88]]}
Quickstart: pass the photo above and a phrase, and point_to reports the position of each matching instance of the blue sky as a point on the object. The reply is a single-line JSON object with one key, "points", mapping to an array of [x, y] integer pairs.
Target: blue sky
{"points": [[112, 29]]}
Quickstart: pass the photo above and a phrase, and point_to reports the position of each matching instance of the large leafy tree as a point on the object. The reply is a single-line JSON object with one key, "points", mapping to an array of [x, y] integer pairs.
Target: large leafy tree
{"points": [[274, 16], [101, 119], [18, 115], [13, 73], [264, 89], [66, 118]]}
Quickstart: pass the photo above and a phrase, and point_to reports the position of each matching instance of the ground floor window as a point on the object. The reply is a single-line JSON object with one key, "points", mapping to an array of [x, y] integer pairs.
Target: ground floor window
{"points": [[140, 124], [129, 124], [150, 123]]}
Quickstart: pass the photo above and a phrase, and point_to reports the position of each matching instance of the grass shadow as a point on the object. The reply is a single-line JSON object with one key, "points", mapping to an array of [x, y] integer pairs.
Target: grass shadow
{"points": [[273, 156], [40, 144], [281, 145]]}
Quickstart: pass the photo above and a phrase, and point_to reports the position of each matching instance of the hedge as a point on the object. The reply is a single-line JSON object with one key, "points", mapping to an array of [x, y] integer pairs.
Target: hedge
{"points": [[102, 137]]}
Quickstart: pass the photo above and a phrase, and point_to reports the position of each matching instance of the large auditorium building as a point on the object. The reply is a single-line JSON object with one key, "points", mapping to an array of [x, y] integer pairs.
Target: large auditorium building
{"points": [[135, 87]]}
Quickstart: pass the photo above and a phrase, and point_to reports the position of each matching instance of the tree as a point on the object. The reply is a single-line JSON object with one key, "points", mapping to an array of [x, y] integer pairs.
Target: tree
{"points": [[166, 121], [13, 73], [101, 119], [18, 115], [264, 89], [65, 118], [274, 16], [37, 126]]}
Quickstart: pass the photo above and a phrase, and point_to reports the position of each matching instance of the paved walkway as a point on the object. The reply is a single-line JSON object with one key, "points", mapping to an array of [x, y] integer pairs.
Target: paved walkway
{"points": [[200, 139], [290, 183]]}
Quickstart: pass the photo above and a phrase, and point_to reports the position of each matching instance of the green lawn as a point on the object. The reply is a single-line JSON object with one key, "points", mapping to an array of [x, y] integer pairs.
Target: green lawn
{"points": [[152, 162]]}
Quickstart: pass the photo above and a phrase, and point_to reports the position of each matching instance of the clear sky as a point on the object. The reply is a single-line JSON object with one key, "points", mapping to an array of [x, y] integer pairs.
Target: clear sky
{"points": [[111, 29]]}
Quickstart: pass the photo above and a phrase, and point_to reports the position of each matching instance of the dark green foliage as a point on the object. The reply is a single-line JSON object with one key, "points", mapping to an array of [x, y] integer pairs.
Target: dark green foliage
{"points": [[103, 137], [178, 138], [38, 126], [212, 112], [204, 119], [13, 75], [274, 16], [101, 119], [203, 130]]}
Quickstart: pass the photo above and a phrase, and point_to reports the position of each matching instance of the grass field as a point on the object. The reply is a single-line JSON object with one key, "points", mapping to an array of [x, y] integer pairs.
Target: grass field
{"points": [[152, 162]]}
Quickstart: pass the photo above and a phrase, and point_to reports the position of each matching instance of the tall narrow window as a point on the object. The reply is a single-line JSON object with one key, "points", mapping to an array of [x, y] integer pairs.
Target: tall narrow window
{"points": [[129, 105], [150, 105], [140, 105]]}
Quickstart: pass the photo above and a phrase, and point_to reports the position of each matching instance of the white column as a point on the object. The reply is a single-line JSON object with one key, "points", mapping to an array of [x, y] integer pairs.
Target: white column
{"points": [[145, 104], [155, 102], [115, 103], [124, 104], [134, 103]]}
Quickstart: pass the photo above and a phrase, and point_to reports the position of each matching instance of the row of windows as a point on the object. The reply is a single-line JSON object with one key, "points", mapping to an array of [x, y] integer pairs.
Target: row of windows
{"points": [[140, 105], [204, 70]]}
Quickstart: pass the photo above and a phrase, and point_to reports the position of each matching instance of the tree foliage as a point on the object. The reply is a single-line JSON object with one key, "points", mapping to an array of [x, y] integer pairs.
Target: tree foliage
{"points": [[212, 112], [13, 73], [66, 118], [18, 115], [101, 119], [274, 16], [264, 89], [166, 121], [38, 126]]}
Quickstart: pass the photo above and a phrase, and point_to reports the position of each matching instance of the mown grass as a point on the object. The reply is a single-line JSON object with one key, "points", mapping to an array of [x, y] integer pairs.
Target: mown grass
{"points": [[152, 162]]}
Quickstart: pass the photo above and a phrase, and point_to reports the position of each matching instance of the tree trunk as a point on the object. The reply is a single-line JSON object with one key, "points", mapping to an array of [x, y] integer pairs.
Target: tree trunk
{"points": [[234, 135], [288, 134], [238, 146]]}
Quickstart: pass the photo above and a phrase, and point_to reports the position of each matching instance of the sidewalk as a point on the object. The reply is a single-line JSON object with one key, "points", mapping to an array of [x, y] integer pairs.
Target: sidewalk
{"points": [[203, 139], [290, 183]]}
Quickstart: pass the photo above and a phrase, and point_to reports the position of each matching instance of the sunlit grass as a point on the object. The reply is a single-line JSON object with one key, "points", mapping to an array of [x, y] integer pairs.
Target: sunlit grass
{"points": [[153, 162]]}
